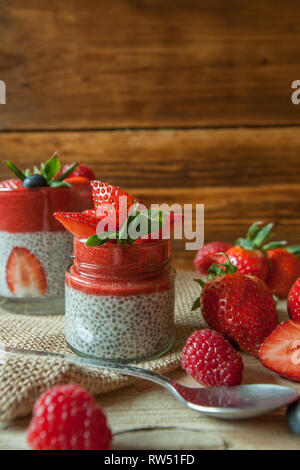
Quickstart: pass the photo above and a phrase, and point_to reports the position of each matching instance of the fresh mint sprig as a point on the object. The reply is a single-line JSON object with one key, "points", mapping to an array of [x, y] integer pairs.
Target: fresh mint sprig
{"points": [[48, 170], [137, 225], [15, 170]]}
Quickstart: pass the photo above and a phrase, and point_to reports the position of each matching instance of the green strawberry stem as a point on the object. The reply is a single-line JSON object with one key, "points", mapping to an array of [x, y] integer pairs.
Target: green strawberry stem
{"points": [[216, 269], [257, 238], [294, 249]]}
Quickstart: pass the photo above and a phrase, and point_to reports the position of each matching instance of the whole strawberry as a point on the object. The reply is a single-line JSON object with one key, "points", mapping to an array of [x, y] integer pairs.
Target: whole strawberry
{"points": [[211, 360], [293, 301], [66, 417], [206, 256], [239, 306], [285, 269], [249, 254]]}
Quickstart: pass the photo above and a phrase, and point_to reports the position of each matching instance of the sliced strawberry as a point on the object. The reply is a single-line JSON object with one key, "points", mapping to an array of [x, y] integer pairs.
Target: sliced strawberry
{"points": [[82, 225], [25, 276], [107, 201], [280, 352], [91, 213], [11, 184]]}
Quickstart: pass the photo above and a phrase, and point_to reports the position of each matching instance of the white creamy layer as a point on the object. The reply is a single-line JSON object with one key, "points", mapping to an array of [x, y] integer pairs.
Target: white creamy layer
{"points": [[120, 328]]}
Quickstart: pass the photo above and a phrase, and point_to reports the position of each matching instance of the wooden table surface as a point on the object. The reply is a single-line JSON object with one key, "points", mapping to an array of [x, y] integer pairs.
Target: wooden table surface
{"points": [[145, 416]]}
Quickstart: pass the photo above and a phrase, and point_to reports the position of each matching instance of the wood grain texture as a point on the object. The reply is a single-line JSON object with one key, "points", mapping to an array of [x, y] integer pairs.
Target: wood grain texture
{"points": [[100, 64], [145, 416], [167, 159]]}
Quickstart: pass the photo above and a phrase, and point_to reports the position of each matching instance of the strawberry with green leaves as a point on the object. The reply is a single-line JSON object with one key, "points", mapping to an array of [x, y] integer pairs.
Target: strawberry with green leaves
{"points": [[46, 175], [239, 306], [249, 254]]}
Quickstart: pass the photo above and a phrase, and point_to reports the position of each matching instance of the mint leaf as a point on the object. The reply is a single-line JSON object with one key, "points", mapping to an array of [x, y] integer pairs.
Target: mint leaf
{"points": [[100, 239], [51, 167], [67, 172], [15, 170], [146, 222], [59, 184]]}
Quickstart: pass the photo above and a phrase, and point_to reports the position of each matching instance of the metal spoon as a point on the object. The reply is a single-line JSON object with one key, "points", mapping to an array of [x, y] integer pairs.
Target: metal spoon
{"points": [[238, 402]]}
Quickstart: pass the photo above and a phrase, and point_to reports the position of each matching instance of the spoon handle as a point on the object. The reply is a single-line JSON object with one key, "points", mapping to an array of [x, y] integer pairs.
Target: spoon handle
{"points": [[120, 368]]}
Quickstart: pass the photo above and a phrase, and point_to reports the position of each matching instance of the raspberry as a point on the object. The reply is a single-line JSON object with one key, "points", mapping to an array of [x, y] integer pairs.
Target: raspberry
{"points": [[66, 417], [211, 360]]}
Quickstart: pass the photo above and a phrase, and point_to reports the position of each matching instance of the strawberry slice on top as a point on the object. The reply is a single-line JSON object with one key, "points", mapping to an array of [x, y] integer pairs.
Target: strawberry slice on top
{"points": [[11, 184], [280, 352], [25, 275], [82, 224], [107, 200]]}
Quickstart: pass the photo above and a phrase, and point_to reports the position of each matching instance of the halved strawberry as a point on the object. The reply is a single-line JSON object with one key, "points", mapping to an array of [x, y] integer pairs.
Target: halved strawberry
{"points": [[91, 213], [25, 276], [11, 184], [82, 225], [107, 201], [280, 352]]}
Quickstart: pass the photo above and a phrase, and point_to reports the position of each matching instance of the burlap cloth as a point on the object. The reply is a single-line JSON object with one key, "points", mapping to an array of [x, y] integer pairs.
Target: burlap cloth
{"points": [[23, 378]]}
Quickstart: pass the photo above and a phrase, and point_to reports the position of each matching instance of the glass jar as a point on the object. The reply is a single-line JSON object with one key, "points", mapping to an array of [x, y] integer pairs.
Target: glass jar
{"points": [[34, 248], [120, 301]]}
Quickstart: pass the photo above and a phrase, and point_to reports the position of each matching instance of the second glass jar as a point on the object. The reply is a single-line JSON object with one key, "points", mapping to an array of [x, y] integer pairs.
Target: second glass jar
{"points": [[120, 301]]}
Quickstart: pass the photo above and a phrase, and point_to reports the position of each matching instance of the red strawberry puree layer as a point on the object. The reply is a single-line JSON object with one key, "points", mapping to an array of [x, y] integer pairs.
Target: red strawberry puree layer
{"points": [[120, 270], [31, 210]]}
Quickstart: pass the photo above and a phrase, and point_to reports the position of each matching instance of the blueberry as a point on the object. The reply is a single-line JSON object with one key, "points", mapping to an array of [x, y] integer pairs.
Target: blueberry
{"points": [[34, 181], [293, 417]]}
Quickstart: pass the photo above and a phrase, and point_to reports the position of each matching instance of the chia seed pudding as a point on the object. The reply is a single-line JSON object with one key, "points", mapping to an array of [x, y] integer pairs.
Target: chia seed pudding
{"points": [[120, 301], [34, 248]]}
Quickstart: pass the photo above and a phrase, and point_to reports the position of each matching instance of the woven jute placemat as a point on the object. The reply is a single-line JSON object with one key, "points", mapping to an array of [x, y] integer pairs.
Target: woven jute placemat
{"points": [[23, 378]]}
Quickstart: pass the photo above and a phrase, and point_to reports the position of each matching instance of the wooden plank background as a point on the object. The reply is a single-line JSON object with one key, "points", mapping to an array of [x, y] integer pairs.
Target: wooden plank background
{"points": [[176, 100]]}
